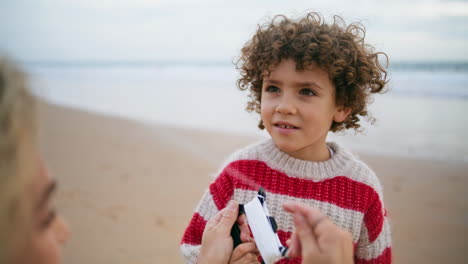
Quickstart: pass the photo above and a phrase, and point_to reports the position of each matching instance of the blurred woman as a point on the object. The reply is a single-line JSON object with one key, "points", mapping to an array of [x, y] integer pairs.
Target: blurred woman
{"points": [[31, 231]]}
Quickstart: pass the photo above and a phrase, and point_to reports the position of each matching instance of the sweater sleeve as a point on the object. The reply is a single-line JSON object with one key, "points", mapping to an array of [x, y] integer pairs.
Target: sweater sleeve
{"points": [[214, 199], [374, 244]]}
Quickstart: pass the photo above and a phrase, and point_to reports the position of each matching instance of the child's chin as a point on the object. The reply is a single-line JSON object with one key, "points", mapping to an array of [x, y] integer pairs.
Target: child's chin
{"points": [[285, 147]]}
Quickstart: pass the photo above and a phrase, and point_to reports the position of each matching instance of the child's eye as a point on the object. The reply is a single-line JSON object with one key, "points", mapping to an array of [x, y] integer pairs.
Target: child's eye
{"points": [[307, 92], [272, 89]]}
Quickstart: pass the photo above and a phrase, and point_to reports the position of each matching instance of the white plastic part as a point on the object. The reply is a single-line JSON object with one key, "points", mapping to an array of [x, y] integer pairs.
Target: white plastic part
{"points": [[267, 241]]}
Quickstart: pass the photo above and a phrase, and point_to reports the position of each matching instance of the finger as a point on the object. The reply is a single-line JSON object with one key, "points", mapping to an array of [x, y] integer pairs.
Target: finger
{"points": [[228, 217], [294, 246], [214, 220], [295, 243], [290, 206], [249, 258], [326, 226], [244, 228], [312, 214], [242, 219], [330, 234], [305, 233], [244, 249]]}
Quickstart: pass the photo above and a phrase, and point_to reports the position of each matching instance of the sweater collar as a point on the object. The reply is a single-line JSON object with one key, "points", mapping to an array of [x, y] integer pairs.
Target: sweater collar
{"points": [[293, 167]]}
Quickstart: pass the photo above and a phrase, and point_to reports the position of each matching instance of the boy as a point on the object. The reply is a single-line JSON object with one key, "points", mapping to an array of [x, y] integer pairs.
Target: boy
{"points": [[305, 78]]}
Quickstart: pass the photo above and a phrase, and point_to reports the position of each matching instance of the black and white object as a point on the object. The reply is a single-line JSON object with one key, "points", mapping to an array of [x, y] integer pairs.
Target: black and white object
{"points": [[263, 227]]}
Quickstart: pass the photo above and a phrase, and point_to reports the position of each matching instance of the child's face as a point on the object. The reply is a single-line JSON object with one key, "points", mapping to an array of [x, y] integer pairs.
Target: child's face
{"points": [[298, 108]]}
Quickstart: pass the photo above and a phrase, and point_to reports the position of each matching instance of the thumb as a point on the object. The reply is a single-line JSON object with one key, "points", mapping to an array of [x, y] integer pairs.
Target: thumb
{"points": [[305, 234], [229, 216]]}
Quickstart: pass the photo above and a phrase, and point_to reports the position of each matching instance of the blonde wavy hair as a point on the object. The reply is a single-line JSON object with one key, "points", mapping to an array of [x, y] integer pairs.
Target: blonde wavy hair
{"points": [[17, 156]]}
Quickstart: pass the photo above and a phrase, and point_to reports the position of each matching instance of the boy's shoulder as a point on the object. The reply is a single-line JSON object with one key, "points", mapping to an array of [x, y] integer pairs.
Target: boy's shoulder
{"points": [[358, 170], [249, 152], [354, 163]]}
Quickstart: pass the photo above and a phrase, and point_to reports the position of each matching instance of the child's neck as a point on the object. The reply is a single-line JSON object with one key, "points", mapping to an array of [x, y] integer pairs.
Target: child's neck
{"points": [[317, 153]]}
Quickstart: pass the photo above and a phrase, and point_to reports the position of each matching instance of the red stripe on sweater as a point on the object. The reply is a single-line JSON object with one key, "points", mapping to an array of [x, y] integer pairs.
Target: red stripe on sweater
{"points": [[374, 220], [194, 232], [341, 191], [283, 236], [384, 258], [222, 190]]}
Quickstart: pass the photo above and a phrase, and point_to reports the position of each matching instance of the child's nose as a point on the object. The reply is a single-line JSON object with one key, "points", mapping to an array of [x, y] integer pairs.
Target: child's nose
{"points": [[286, 106]]}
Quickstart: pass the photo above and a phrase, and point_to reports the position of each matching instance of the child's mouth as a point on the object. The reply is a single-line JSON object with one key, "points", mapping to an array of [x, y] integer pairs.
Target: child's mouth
{"points": [[285, 126]]}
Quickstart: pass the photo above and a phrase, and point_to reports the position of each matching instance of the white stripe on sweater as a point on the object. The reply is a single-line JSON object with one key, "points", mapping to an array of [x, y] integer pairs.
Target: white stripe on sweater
{"points": [[206, 207], [190, 253], [367, 250]]}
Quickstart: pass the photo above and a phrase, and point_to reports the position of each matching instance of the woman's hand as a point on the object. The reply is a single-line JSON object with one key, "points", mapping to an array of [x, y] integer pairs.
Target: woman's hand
{"points": [[316, 238], [217, 243], [245, 253]]}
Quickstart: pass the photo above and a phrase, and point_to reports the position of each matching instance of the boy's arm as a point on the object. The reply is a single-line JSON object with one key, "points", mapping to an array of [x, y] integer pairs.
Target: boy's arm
{"points": [[374, 244], [215, 198]]}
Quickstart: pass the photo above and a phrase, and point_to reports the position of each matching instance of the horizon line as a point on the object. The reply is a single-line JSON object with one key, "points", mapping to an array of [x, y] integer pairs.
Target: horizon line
{"points": [[398, 64]]}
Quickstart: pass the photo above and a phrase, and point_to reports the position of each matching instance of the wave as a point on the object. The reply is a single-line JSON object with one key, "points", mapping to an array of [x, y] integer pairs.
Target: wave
{"points": [[430, 66], [398, 66]]}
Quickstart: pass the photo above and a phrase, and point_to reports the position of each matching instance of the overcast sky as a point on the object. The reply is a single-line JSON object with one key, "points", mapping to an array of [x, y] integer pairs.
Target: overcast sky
{"points": [[215, 30]]}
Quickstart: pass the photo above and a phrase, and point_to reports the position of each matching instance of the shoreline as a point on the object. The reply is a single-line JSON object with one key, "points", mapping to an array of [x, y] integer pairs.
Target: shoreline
{"points": [[442, 144]]}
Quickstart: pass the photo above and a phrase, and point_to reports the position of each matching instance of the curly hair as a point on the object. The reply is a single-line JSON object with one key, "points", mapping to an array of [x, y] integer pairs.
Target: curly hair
{"points": [[339, 49]]}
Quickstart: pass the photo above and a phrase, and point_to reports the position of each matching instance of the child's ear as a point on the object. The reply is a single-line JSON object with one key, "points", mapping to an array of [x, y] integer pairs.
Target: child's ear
{"points": [[341, 114]]}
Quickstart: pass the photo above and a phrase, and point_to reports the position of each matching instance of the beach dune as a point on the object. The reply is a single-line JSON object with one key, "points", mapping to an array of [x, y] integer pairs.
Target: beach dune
{"points": [[128, 189]]}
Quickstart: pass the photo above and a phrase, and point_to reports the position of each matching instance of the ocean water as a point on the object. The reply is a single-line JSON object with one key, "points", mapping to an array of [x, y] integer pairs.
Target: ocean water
{"points": [[424, 114]]}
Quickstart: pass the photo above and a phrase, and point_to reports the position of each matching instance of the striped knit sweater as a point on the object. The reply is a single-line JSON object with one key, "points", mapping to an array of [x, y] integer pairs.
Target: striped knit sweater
{"points": [[343, 188]]}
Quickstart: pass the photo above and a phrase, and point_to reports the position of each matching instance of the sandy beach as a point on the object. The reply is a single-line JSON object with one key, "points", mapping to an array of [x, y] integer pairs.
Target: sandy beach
{"points": [[128, 189]]}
